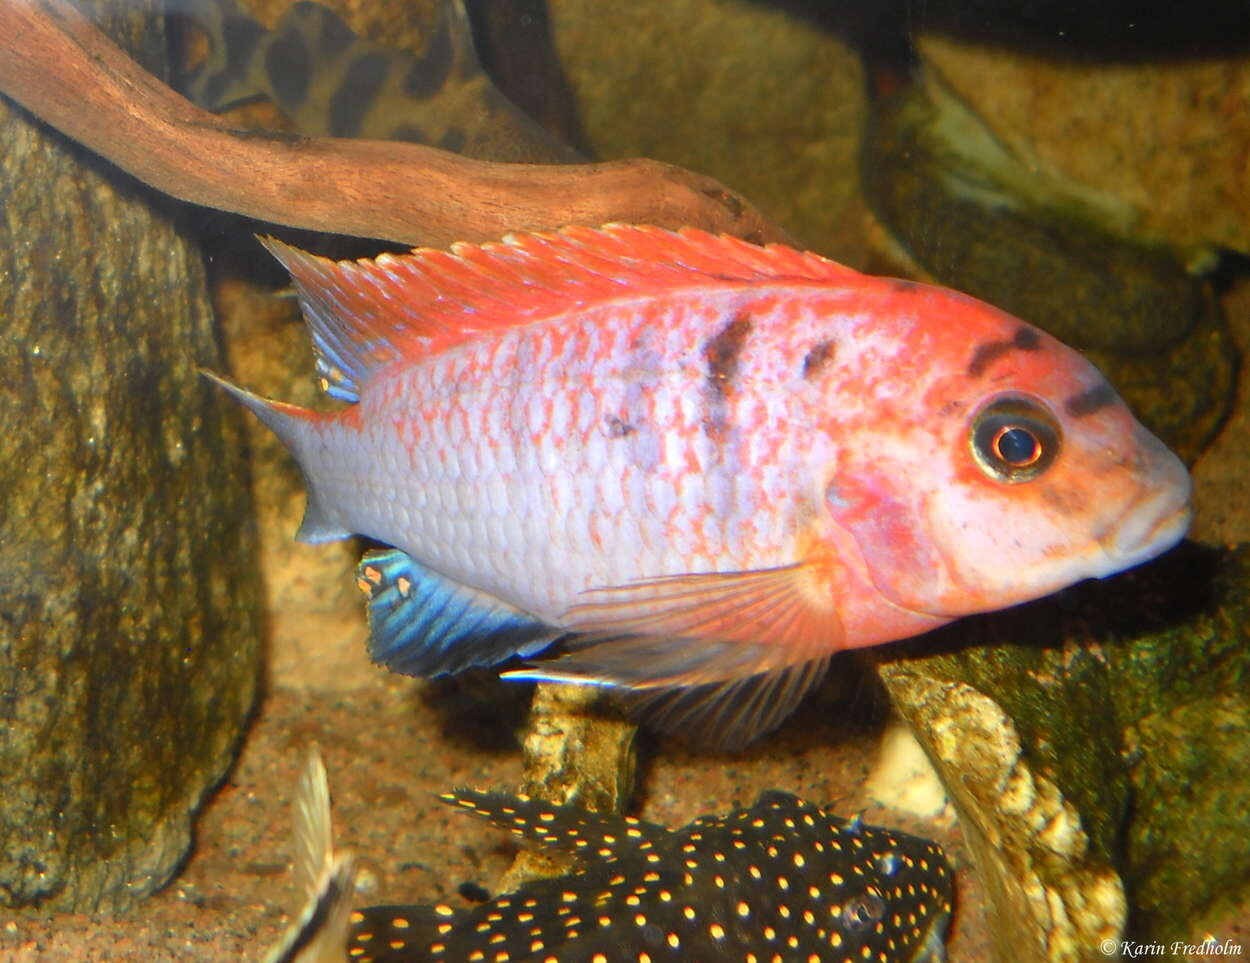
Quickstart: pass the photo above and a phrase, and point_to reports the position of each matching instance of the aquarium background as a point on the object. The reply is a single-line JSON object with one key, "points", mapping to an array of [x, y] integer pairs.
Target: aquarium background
{"points": [[1084, 166]]}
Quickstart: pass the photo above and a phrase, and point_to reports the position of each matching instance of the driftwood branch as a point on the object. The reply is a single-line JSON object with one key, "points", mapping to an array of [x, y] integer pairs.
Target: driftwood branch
{"points": [[59, 66]]}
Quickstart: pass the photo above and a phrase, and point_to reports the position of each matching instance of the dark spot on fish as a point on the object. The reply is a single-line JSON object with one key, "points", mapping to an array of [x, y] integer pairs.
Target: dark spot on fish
{"points": [[902, 285], [618, 428], [333, 35], [408, 132], [723, 352], [1025, 339], [427, 76], [289, 70], [819, 356], [360, 85], [452, 141], [473, 892], [239, 37], [1087, 402]]}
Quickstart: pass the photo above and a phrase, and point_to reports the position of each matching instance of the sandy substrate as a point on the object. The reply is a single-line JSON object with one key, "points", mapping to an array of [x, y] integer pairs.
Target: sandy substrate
{"points": [[389, 746]]}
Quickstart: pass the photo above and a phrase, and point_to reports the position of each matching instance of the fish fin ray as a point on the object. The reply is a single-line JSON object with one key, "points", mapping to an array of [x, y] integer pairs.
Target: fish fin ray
{"points": [[706, 628], [324, 879], [548, 825], [365, 314], [424, 624], [730, 714]]}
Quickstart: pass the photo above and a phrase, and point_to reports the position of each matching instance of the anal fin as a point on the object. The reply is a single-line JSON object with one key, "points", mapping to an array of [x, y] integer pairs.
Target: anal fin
{"points": [[424, 624]]}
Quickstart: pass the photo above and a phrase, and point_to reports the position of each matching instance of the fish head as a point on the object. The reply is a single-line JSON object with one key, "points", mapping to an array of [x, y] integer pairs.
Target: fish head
{"points": [[1006, 469], [901, 897]]}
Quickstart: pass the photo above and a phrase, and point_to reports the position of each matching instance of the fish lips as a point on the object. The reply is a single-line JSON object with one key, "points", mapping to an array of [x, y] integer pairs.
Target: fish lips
{"points": [[1147, 529], [1152, 523]]}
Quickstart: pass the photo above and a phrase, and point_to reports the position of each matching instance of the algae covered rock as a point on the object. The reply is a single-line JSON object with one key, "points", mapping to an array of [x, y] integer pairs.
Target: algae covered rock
{"points": [[767, 102], [129, 629], [1116, 757]]}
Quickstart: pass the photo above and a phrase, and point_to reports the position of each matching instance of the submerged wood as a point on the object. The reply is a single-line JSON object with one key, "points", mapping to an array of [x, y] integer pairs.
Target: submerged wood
{"points": [[56, 64]]}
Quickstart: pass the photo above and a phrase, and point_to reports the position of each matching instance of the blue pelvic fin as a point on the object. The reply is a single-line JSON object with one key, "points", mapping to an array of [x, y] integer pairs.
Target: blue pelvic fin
{"points": [[424, 624]]}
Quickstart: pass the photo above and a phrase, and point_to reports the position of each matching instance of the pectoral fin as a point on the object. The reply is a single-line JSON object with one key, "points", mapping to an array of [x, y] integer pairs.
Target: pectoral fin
{"points": [[727, 654]]}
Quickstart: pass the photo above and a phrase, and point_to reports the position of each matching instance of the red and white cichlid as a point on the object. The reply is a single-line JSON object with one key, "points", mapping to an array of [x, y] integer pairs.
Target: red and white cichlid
{"points": [[705, 464]]}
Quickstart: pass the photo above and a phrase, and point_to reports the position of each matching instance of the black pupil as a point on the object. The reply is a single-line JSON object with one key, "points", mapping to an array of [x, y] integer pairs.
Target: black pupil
{"points": [[864, 910], [1017, 446]]}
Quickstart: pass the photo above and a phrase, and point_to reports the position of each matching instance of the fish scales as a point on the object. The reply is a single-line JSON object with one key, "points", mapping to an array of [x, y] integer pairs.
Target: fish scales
{"points": [[780, 879], [663, 461], [703, 465]]}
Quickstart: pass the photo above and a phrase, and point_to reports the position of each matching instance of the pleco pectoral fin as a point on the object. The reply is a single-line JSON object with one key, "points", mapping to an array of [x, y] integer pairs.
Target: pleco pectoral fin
{"points": [[724, 656], [424, 624], [324, 879]]}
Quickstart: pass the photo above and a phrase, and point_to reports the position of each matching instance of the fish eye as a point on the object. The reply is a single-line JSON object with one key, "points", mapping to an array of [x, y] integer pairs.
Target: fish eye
{"points": [[863, 911], [1014, 439]]}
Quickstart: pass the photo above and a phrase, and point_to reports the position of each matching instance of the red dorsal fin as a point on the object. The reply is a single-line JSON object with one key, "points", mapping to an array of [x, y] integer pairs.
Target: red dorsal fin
{"points": [[365, 314]]}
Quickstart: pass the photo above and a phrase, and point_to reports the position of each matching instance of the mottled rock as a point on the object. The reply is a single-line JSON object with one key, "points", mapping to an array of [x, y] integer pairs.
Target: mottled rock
{"points": [[1165, 136], [129, 623], [1050, 896], [573, 755], [1089, 738]]}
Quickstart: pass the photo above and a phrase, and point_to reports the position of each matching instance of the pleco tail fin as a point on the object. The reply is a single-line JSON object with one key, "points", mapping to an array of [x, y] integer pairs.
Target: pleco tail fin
{"points": [[293, 426]]}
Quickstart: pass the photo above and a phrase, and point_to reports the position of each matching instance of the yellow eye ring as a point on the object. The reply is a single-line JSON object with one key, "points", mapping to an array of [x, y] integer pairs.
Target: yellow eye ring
{"points": [[1014, 439]]}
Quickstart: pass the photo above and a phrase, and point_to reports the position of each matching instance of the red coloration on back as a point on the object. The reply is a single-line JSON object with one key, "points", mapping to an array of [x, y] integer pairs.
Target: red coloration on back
{"points": [[423, 303], [707, 465]]}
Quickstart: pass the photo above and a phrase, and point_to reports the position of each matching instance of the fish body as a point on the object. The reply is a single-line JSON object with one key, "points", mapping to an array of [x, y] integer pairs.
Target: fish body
{"points": [[781, 879], [705, 465], [327, 80]]}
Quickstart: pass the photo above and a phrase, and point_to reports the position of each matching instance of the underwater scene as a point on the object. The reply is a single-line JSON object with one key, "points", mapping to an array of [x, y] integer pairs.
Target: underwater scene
{"points": [[554, 480]]}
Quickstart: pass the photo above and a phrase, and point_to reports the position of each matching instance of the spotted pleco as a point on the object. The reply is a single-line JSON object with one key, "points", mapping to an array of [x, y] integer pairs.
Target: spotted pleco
{"points": [[781, 880]]}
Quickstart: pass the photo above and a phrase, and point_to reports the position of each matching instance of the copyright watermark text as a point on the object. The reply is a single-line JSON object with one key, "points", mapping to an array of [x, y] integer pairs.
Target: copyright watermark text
{"points": [[1132, 950]]}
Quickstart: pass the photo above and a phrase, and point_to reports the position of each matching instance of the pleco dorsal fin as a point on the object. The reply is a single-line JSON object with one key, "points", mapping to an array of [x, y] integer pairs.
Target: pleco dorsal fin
{"points": [[569, 829], [325, 880], [365, 314]]}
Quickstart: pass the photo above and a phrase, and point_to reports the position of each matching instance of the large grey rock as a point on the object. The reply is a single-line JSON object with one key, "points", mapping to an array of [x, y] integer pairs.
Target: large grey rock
{"points": [[129, 626]]}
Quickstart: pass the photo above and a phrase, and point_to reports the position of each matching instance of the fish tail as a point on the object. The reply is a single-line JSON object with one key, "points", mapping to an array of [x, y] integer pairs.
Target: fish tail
{"points": [[292, 424]]}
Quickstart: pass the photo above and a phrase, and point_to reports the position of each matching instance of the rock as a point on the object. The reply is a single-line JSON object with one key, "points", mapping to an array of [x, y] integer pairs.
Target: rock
{"points": [[769, 103], [129, 619], [1089, 738], [1166, 137], [1050, 896]]}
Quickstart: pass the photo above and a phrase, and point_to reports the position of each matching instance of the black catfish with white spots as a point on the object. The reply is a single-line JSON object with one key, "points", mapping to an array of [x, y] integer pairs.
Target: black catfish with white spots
{"points": [[781, 880]]}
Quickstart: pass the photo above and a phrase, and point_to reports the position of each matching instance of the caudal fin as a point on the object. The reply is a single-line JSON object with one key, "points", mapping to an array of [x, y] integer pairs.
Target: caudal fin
{"points": [[293, 425]]}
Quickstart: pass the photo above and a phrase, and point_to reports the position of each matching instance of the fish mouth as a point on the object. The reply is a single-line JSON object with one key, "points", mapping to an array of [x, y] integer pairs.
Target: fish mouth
{"points": [[1148, 527]]}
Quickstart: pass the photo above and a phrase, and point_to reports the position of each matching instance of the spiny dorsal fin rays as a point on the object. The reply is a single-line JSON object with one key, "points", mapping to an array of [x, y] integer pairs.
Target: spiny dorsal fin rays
{"points": [[366, 313], [566, 828]]}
